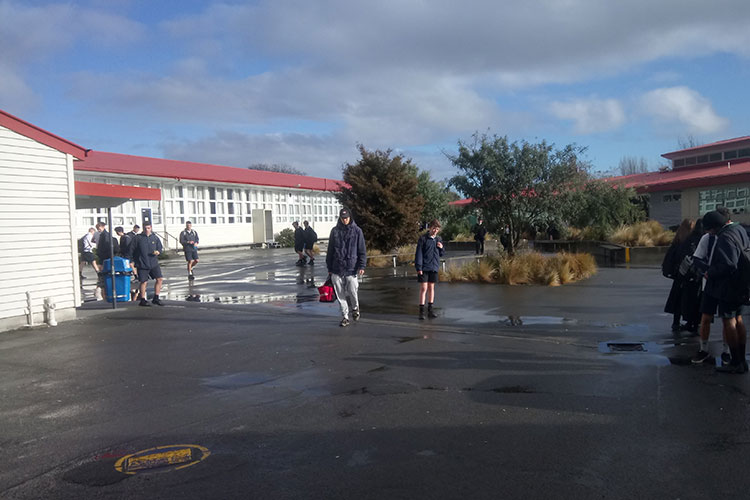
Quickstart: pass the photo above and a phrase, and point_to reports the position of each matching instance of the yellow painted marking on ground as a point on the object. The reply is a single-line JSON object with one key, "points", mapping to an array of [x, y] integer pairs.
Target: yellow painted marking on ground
{"points": [[160, 459], [176, 456]]}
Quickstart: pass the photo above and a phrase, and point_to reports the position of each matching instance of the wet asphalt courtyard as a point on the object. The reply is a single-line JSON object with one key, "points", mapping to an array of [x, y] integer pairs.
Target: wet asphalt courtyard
{"points": [[579, 391]]}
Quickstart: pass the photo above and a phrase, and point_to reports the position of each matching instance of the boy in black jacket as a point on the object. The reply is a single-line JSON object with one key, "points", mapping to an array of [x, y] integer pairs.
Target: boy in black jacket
{"points": [[427, 263]]}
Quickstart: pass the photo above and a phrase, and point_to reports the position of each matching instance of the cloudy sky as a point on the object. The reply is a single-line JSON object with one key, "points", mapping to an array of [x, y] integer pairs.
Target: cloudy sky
{"points": [[302, 82]]}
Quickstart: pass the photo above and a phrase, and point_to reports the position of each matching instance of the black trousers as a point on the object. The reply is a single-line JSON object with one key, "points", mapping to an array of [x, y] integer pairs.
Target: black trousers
{"points": [[479, 247]]}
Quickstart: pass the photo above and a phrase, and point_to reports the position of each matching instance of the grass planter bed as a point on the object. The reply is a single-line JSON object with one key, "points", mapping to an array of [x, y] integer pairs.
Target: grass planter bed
{"points": [[531, 268]]}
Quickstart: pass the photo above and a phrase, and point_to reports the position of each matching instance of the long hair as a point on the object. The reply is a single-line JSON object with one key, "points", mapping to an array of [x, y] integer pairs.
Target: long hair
{"points": [[686, 227]]}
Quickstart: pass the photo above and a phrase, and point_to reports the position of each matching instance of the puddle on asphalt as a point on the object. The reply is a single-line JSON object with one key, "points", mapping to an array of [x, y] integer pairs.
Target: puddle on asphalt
{"points": [[234, 299]]}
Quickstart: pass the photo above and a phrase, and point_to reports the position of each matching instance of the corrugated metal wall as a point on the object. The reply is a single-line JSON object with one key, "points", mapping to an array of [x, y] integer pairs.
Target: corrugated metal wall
{"points": [[37, 250]]}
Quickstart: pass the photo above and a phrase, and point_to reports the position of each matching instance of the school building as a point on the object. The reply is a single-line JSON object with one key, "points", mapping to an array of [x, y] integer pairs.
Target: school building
{"points": [[52, 191], [701, 178]]}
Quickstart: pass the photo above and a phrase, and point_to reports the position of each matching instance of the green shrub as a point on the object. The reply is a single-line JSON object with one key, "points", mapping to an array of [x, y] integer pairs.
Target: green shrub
{"points": [[285, 238]]}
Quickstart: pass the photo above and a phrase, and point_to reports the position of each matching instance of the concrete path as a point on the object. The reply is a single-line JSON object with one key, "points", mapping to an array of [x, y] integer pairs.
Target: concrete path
{"points": [[511, 393]]}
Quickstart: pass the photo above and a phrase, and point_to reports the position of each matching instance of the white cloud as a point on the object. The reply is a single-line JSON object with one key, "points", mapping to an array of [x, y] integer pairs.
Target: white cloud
{"points": [[590, 115], [683, 106]]}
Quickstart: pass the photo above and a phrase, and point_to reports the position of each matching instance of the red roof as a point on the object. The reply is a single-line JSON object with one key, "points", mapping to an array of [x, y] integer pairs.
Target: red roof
{"points": [[95, 195], [682, 178], [183, 170], [33, 132], [707, 147]]}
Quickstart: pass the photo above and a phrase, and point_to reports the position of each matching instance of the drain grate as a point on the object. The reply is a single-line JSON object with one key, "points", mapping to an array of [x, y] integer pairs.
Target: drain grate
{"points": [[162, 458], [626, 347]]}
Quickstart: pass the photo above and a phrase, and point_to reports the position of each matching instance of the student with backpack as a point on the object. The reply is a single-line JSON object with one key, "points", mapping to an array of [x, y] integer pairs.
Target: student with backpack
{"points": [[310, 238], [729, 282]]}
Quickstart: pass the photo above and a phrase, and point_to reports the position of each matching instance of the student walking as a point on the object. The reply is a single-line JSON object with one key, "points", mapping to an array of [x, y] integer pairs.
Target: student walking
{"points": [[310, 238], [427, 263], [86, 246], [189, 241], [299, 244], [146, 256], [724, 284], [346, 260]]}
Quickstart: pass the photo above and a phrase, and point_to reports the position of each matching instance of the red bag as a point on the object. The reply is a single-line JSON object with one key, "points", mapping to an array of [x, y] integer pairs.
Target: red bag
{"points": [[327, 292]]}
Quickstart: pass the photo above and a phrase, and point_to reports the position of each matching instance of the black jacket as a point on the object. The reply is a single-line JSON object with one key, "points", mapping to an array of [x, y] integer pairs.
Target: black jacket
{"points": [[104, 246], [480, 232], [186, 237], [427, 257], [299, 238], [722, 284], [346, 249], [310, 237], [143, 251], [126, 245]]}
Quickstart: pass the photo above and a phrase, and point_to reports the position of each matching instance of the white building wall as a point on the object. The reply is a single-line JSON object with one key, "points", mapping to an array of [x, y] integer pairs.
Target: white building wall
{"points": [[221, 213], [37, 249]]}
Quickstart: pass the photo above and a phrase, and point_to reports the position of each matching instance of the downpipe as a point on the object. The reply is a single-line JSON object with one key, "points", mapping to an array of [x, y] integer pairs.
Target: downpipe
{"points": [[29, 313]]}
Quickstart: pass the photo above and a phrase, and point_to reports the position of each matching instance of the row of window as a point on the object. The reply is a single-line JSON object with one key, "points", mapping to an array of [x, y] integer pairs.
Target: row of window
{"points": [[712, 157], [216, 205], [737, 200]]}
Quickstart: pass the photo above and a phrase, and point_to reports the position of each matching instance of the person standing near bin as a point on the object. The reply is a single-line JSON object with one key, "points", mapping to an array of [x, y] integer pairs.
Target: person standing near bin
{"points": [[299, 244], [346, 260], [189, 241], [427, 262], [146, 252]]}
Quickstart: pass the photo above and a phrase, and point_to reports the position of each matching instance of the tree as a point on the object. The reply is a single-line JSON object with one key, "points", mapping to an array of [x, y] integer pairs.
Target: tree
{"points": [[630, 165], [519, 185], [276, 167], [436, 197], [602, 206], [382, 195], [688, 142]]}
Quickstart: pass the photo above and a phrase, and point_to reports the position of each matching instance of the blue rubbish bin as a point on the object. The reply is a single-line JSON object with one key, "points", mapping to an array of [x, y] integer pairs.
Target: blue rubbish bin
{"points": [[123, 273]]}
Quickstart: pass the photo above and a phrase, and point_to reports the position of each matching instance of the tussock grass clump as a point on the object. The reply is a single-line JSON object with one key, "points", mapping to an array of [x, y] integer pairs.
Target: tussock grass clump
{"points": [[376, 259], [642, 234], [525, 269], [405, 254]]}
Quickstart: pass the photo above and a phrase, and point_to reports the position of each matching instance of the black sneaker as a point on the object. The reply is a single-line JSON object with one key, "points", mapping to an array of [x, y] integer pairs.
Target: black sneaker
{"points": [[355, 314], [431, 314], [726, 358], [311, 263], [191, 277], [700, 358], [344, 322], [676, 328], [144, 303], [157, 301], [421, 314], [737, 369]]}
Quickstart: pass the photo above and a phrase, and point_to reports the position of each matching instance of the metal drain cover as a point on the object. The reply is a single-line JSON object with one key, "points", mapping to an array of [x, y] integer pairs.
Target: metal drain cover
{"points": [[162, 459], [626, 347]]}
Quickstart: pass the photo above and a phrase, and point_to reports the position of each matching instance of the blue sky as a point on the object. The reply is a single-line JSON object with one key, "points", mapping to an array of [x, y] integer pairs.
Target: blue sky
{"points": [[302, 82]]}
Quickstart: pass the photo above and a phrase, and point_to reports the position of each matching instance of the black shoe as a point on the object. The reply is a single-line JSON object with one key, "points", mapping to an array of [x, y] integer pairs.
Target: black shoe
{"points": [[700, 358], [736, 369], [300, 263], [421, 314], [191, 277], [312, 262], [344, 322], [355, 314], [144, 303], [431, 314], [676, 328], [726, 358], [157, 301]]}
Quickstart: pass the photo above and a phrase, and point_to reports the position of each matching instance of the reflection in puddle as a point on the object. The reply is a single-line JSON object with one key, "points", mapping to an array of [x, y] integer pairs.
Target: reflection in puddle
{"points": [[235, 299]]}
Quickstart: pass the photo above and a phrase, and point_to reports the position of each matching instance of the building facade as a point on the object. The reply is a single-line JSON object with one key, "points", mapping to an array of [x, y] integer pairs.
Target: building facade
{"points": [[38, 253], [701, 178], [228, 206]]}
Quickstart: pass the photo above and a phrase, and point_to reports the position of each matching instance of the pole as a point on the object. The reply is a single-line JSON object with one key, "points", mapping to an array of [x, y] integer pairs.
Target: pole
{"points": [[112, 259]]}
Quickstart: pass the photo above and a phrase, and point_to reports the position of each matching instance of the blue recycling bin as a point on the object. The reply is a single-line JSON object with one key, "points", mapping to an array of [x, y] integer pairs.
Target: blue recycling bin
{"points": [[123, 274]]}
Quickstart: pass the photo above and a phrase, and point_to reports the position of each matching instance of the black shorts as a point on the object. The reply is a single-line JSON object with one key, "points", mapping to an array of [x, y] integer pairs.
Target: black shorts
{"points": [[145, 274], [708, 304], [729, 310], [428, 277], [299, 248], [191, 254], [88, 257]]}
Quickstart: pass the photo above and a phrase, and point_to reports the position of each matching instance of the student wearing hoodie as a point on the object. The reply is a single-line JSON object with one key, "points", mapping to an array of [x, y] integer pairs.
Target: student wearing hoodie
{"points": [[427, 263], [346, 259]]}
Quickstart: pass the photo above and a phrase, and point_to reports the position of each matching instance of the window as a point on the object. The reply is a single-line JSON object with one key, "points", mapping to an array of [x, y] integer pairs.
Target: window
{"points": [[743, 152], [715, 157], [728, 155], [703, 159], [690, 161], [211, 193]]}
